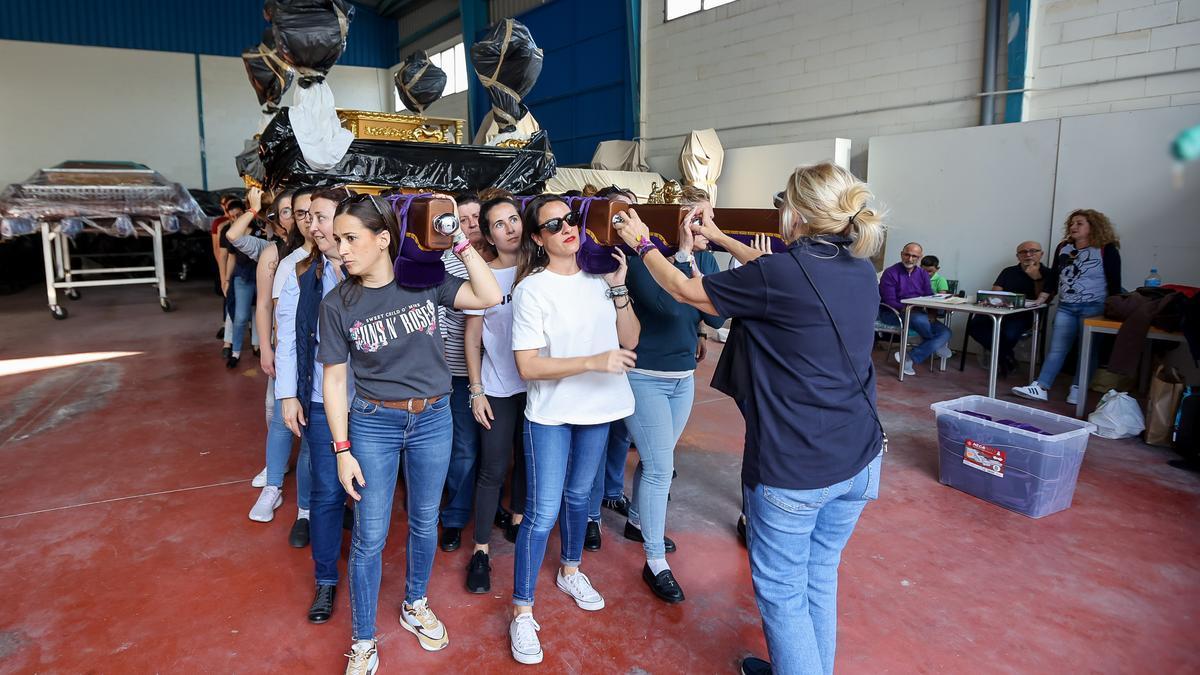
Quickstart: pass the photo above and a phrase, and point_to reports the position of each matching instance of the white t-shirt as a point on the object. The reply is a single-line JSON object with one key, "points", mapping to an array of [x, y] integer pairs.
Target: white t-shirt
{"points": [[562, 317], [499, 368], [284, 268]]}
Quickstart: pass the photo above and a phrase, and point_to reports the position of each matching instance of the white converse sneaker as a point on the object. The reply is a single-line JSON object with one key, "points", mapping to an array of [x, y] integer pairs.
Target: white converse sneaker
{"points": [[908, 365], [269, 499], [523, 639], [1032, 391], [944, 352], [579, 587], [1073, 396], [364, 658], [260, 481], [420, 621]]}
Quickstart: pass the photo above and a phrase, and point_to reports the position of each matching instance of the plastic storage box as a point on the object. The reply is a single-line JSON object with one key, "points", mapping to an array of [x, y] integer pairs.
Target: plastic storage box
{"points": [[1020, 469]]}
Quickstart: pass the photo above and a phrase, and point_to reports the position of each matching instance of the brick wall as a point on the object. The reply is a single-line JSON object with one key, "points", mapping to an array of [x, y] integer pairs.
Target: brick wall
{"points": [[1120, 44]]}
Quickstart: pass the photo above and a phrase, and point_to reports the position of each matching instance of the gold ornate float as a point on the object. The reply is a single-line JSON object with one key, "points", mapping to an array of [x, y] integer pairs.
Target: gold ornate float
{"points": [[378, 126]]}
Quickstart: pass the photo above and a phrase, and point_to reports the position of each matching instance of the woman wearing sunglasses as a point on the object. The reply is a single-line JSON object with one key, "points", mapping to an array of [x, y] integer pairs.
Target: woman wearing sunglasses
{"points": [[497, 390], [572, 337], [388, 335]]}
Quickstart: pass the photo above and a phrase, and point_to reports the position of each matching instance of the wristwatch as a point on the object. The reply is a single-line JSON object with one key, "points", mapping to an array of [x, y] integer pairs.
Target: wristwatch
{"points": [[684, 257]]}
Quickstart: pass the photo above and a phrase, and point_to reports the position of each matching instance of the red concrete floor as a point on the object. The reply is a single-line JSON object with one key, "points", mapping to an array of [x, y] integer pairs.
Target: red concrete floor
{"points": [[127, 548]]}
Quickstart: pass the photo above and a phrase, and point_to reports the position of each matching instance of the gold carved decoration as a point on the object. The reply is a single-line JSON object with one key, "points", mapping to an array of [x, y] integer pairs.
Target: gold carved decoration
{"points": [[513, 143], [669, 193], [378, 126]]}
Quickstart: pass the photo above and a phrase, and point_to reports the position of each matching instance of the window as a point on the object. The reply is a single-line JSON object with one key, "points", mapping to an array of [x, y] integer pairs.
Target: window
{"points": [[453, 60], [678, 8]]}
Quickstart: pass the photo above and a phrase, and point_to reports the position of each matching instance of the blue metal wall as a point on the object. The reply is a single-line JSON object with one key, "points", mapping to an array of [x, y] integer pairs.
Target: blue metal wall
{"points": [[219, 27], [584, 94]]}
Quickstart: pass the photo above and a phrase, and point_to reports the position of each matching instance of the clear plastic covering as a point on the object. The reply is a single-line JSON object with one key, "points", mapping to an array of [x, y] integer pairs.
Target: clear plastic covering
{"points": [[109, 198]]}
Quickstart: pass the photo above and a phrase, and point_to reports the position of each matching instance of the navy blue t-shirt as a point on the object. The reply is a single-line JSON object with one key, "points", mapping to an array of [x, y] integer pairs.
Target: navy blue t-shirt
{"points": [[808, 423]]}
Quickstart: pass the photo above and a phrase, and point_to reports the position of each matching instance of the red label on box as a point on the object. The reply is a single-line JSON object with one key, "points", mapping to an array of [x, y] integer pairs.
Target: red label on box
{"points": [[984, 458]]}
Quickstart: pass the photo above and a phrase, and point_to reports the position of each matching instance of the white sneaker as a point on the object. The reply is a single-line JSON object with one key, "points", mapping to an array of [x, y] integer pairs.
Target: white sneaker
{"points": [[944, 352], [523, 639], [1073, 397], [908, 365], [364, 658], [579, 587], [269, 499], [420, 621], [260, 481], [1032, 391]]}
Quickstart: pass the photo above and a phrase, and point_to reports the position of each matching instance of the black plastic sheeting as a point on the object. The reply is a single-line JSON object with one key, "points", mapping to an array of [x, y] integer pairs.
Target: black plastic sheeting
{"points": [[249, 164], [269, 75], [508, 57], [431, 166], [419, 83], [310, 35]]}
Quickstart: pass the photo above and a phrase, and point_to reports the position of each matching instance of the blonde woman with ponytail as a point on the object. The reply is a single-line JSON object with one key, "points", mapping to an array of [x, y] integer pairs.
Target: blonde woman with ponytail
{"points": [[811, 464]]}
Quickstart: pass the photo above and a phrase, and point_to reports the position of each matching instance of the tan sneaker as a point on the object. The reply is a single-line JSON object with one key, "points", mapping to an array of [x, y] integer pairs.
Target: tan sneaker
{"points": [[419, 620], [364, 659]]}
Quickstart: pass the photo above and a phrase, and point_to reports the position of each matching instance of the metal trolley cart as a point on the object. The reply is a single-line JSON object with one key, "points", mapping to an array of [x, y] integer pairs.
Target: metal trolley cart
{"points": [[117, 199]]}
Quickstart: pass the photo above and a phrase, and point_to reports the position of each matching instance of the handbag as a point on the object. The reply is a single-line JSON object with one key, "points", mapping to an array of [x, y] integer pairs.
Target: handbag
{"points": [[1166, 390]]}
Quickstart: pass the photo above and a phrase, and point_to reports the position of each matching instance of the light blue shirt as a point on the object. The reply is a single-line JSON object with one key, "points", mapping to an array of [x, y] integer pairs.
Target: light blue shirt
{"points": [[285, 347]]}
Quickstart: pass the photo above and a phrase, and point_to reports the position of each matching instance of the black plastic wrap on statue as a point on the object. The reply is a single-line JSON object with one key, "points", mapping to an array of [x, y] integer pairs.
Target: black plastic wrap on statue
{"points": [[419, 83], [249, 163], [397, 164], [508, 63], [310, 35], [268, 74]]}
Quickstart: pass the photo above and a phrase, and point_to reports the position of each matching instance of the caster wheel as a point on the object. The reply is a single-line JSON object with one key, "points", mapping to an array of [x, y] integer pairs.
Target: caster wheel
{"points": [[58, 312], [73, 294], [165, 304]]}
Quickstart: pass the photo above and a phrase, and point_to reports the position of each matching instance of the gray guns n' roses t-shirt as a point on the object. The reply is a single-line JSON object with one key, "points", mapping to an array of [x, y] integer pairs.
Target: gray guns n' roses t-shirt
{"points": [[391, 337]]}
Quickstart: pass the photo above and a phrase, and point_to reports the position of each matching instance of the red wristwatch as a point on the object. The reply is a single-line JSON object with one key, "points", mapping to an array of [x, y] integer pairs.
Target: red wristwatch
{"points": [[340, 446]]}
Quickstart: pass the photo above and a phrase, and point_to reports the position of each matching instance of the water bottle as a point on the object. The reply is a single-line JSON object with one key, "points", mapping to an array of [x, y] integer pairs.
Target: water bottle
{"points": [[1153, 281]]}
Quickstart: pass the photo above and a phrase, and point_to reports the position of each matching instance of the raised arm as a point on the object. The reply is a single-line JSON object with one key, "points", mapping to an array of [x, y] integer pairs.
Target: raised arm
{"points": [[481, 290], [265, 278], [242, 224], [689, 291]]}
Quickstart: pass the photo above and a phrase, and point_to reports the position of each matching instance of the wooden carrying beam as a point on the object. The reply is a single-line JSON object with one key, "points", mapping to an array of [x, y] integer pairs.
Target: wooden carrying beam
{"points": [[664, 221]]}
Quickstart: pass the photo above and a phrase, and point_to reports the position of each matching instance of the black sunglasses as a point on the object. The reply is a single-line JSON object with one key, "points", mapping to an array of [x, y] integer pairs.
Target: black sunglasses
{"points": [[555, 225], [355, 199]]}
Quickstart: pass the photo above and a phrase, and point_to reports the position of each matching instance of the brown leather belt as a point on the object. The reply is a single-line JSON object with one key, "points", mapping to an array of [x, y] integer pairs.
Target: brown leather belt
{"points": [[415, 406]]}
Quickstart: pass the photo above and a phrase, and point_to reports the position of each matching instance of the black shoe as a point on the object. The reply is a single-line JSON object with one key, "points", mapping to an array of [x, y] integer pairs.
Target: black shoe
{"points": [[232, 362], [479, 573], [322, 604], [503, 518], [451, 539], [635, 534], [221, 333], [755, 666], [620, 505], [663, 584], [348, 518], [226, 352], [510, 531], [298, 537], [591, 540], [741, 529], [257, 352]]}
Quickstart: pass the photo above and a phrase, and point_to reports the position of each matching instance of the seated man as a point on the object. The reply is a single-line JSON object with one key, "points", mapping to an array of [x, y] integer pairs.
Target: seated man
{"points": [[906, 280], [1025, 277]]}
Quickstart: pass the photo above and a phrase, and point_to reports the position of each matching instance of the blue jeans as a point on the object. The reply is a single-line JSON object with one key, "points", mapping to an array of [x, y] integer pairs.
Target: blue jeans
{"points": [[327, 499], [1068, 326], [560, 465], [379, 438], [244, 291], [795, 538], [609, 482], [662, 411], [464, 451], [279, 451]]}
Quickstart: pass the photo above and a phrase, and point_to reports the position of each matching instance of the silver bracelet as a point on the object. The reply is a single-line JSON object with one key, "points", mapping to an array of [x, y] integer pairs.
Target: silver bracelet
{"points": [[472, 397], [616, 291]]}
